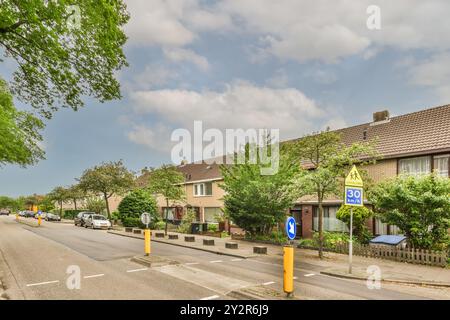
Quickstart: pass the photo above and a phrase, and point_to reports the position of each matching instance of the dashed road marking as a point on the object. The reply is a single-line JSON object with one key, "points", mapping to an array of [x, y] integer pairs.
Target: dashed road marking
{"points": [[191, 263], [94, 276], [210, 297], [216, 261], [268, 283], [295, 278], [137, 270], [236, 259], [309, 274], [41, 283]]}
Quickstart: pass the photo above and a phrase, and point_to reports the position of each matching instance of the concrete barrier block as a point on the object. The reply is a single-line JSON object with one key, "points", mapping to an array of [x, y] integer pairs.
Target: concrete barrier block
{"points": [[128, 229], [173, 236], [189, 239], [137, 231], [231, 245], [208, 242], [159, 234], [260, 250]]}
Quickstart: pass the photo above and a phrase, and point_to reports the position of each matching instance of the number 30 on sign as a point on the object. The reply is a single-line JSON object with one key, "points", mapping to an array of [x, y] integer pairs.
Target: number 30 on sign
{"points": [[354, 196]]}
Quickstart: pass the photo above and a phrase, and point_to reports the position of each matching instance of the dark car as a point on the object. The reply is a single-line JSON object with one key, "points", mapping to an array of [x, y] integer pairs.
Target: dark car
{"points": [[52, 217], [80, 218], [28, 214]]}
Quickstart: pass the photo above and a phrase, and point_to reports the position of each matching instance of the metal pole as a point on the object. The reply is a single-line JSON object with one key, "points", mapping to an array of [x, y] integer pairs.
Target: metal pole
{"points": [[350, 243]]}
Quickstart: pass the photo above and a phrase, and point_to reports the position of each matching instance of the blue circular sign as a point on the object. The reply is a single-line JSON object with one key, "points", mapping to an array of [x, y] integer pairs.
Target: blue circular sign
{"points": [[291, 228]]}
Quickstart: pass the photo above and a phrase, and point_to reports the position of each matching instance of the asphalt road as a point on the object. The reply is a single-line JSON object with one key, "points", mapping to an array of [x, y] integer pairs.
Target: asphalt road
{"points": [[37, 260]]}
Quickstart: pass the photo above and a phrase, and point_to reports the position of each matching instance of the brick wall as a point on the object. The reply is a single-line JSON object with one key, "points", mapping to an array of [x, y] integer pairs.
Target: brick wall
{"points": [[307, 227], [382, 169]]}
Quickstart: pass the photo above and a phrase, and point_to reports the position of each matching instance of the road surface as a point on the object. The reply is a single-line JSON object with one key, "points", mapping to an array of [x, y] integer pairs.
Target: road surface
{"points": [[36, 261]]}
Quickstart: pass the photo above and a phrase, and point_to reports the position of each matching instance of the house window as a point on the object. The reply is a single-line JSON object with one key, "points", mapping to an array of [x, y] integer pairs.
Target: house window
{"points": [[415, 166], [441, 165], [212, 213], [330, 222], [382, 228], [203, 189]]}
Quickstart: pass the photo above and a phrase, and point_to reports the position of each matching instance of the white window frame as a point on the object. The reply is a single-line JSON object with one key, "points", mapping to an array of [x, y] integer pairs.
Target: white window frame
{"points": [[203, 188], [429, 159]]}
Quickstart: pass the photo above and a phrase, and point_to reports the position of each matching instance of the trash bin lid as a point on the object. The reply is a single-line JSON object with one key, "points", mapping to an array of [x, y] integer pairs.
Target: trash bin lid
{"points": [[388, 239]]}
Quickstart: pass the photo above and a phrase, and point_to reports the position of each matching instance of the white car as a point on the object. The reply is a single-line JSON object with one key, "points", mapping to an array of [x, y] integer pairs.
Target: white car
{"points": [[97, 221]]}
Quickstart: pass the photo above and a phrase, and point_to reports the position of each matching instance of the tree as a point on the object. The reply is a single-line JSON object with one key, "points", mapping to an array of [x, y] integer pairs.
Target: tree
{"points": [[64, 50], [95, 205], [107, 179], [31, 201], [419, 206], [47, 204], [329, 160], [60, 195], [75, 193], [167, 182], [134, 204], [7, 203], [360, 216], [258, 202], [19, 132]]}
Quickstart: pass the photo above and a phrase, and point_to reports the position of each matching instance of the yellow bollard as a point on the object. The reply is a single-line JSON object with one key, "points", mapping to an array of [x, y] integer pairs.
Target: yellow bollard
{"points": [[17, 217], [39, 220], [147, 241], [288, 264]]}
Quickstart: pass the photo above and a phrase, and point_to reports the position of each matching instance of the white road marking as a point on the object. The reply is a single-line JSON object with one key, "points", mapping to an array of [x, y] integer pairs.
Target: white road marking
{"points": [[41, 283], [94, 276], [210, 298], [268, 283], [236, 259], [295, 278], [309, 274], [136, 270], [191, 263], [215, 261]]}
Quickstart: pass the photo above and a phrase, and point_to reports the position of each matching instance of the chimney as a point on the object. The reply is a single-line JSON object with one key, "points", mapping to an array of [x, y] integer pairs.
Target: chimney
{"points": [[381, 116]]}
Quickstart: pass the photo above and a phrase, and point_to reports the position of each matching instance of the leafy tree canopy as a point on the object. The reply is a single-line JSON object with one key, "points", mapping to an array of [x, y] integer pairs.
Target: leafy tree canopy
{"points": [[107, 179], [360, 216], [419, 206], [258, 202], [19, 132], [64, 49]]}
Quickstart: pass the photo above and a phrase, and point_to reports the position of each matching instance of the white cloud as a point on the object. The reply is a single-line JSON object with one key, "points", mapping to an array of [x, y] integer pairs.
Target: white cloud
{"points": [[151, 137], [434, 73], [152, 76], [179, 55], [279, 80], [239, 105]]}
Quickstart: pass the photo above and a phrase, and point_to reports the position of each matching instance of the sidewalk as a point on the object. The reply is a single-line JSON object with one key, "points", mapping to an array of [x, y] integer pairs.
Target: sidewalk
{"points": [[244, 251], [333, 264]]}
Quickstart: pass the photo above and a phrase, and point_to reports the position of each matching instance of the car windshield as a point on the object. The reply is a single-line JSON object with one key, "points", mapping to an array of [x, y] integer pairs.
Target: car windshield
{"points": [[98, 217]]}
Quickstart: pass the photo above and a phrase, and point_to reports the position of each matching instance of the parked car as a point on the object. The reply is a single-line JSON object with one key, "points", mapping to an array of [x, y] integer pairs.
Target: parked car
{"points": [[28, 214], [97, 221], [52, 217], [80, 218], [4, 212]]}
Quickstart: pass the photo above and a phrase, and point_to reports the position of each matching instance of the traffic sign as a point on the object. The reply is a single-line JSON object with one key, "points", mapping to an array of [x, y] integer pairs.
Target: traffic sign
{"points": [[291, 228], [145, 218], [354, 196], [39, 212], [354, 178]]}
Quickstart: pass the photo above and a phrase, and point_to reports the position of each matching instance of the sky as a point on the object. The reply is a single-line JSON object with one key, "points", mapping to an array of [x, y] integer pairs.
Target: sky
{"points": [[297, 66]]}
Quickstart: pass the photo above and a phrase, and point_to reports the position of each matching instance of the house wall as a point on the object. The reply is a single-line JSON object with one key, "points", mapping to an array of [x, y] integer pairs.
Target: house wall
{"points": [[382, 170]]}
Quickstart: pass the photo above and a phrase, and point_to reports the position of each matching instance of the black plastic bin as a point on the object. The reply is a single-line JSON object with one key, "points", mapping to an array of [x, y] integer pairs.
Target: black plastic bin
{"points": [[198, 227]]}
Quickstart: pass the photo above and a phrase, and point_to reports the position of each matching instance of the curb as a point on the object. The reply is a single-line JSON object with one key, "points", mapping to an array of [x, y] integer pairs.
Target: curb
{"points": [[235, 255], [419, 283]]}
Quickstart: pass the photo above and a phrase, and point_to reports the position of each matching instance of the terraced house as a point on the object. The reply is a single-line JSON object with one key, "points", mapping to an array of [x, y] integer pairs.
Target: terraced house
{"points": [[415, 143]]}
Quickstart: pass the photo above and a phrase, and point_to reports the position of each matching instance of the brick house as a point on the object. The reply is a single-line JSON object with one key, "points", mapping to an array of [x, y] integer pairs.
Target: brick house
{"points": [[415, 143]]}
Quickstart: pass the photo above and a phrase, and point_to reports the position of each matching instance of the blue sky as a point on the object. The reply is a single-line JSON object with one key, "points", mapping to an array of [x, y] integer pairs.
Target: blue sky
{"points": [[298, 66]]}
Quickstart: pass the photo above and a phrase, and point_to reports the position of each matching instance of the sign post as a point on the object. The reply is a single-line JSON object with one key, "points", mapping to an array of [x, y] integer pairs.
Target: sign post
{"points": [[354, 193], [145, 219], [288, 257], [39, 217]]}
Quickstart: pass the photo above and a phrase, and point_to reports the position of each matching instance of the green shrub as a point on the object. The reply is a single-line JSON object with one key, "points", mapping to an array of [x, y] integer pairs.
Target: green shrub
{"points": [[307, 242], [331, 239], [160, 225], [213, 227], [360, 216], [186, 221], [96, 205], [134, 204]]}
